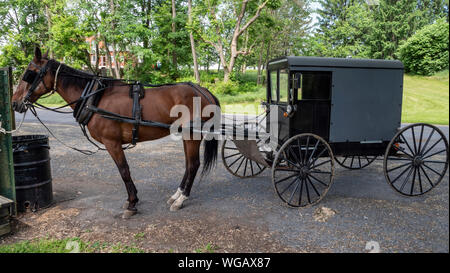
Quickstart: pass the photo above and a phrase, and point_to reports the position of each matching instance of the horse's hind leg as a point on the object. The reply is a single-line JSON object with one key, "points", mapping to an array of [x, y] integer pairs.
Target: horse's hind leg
{"points": [[192, 154], [117, 154]]}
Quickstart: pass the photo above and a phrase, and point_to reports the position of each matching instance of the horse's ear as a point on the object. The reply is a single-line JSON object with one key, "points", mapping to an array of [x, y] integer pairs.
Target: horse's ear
{"points": [[45, 54], [37, 53]]}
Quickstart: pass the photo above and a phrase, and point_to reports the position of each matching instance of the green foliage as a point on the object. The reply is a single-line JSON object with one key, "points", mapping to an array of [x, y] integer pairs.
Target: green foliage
{"points": [[67, 245], [427, 51]]}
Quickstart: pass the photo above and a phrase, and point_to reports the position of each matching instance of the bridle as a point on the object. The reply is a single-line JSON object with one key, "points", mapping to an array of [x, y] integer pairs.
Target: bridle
{"points": [[35, 78]]}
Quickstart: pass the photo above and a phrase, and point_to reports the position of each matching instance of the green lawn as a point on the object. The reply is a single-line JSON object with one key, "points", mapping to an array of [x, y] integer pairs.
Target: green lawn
{"points": [[425, 99], [68, 245]]}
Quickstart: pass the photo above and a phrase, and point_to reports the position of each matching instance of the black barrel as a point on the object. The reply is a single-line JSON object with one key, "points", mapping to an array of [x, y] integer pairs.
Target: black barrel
{"points": [[32, 172]]}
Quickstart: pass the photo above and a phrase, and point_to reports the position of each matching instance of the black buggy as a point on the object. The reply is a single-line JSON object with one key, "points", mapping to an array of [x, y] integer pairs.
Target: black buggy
{"points": [[337, 110]]}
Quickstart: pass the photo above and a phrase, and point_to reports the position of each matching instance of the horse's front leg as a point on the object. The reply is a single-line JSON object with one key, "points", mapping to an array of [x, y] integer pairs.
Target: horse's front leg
{"points": [[115, 150]]}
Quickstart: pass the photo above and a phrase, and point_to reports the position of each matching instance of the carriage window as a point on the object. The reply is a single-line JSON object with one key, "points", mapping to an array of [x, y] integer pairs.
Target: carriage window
{"points": [[273, 85], [284, 86], [315, 86]]}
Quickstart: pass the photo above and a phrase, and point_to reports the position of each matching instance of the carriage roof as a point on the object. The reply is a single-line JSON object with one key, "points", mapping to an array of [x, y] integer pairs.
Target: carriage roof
{"points": [[296, 63]]}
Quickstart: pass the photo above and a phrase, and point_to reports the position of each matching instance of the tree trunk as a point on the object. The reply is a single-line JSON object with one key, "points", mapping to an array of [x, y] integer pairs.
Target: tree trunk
{"points": [[258, 81], [108, 59], [174, 29], [49, 25], [191, 36]]}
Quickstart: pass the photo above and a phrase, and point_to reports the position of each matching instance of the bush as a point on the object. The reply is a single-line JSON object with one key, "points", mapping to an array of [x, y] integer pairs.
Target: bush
{"points": [[426, 52]]}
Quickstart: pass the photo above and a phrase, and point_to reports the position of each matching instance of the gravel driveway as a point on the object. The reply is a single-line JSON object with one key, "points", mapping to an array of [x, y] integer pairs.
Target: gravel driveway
{"points": [[229, 213]]}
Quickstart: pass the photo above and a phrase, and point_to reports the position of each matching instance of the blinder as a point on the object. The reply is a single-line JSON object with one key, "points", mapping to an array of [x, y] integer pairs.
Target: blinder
{"points": [[30, 76], [34, 78]]}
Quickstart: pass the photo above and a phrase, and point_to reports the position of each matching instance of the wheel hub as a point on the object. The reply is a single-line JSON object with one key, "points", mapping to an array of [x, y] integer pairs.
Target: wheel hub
{"points": [[417, 161], [304, 171]]}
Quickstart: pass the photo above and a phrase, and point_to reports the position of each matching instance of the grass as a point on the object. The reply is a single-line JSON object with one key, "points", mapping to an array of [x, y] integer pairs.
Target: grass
{"points": [[68, 245], [425, 99]]}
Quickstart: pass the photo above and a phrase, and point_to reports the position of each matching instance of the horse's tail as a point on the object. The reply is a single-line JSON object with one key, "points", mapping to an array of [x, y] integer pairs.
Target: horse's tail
{"points": [[210, 148]]}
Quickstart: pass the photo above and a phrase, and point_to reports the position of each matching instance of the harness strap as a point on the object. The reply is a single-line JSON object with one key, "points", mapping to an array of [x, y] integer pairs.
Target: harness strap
{"points": [[137, 95]]}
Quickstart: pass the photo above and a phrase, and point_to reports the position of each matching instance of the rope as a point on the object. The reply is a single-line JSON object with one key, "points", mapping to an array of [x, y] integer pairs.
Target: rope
{"points": [[4, 131]]}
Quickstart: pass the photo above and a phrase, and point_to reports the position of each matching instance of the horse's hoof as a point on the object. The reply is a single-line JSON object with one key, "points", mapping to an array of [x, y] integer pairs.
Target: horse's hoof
{"points": [[127, 214], [175, 207], [174, 197], [171, 200], [125, 205]]}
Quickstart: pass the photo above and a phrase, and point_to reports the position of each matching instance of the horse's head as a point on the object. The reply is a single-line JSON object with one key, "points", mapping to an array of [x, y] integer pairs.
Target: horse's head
{"points": [[36, 81]]}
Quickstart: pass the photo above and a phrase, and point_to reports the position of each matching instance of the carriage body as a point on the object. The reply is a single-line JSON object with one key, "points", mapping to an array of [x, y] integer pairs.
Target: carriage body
{"points": [[346, 111], [355, 105]]}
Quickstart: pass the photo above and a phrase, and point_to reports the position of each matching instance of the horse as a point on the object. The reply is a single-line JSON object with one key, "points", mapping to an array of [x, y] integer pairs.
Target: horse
{"points": [[156, 106]]}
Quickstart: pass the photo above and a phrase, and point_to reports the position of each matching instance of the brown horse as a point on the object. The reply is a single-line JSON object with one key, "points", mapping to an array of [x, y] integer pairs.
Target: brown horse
{"points": [[156, 106]]}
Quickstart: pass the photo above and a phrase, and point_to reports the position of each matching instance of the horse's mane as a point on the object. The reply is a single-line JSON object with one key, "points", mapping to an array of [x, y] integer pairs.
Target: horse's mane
{"points": [[73, 77]]}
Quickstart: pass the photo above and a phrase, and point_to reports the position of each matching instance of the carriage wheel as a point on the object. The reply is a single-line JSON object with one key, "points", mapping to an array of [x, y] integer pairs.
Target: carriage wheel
{"points": [[416, 159], [355, 162], [237, 164], [303, 170]]}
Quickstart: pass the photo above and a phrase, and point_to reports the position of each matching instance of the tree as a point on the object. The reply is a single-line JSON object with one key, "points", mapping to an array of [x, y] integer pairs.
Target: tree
{"points": [[191, 37], [426, 52], [222, 24]]}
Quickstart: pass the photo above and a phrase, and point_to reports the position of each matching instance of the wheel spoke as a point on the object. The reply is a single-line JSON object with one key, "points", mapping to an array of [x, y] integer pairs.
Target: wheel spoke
{"points": [[315, 178], [428, 140], [393, 181], [284, 179], [292, 183], [230, 148], [258, 165], [312, 185], [414, 140], [295, 190], [406, 179], [407, 144], [426, 175], [314, 150], [299, 149], [345, 158], [431, 169], [359, 160], [398, 167], [351, 163], [232, 155], [301, 193], [413, 181], [434, 161], [420, 140], [420, 180], [251, 167], [245, 167], [286, 170], [293, 153], [318, 156], [428, 156], [307, 192], [240, 164], [321, 172], [306, 150], [429, 149], [320, 164], [400, 159], [235, 161]]}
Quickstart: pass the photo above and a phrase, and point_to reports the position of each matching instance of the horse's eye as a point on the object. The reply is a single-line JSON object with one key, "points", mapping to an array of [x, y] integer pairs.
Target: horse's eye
{"points": [[30, 76]]}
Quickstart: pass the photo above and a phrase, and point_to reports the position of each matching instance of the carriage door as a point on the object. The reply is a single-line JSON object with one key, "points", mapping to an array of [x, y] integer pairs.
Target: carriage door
{"points": [[280, 96], [312, 92]]}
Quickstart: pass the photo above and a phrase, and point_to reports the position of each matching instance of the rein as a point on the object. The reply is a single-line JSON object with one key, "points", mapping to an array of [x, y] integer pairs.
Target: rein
{"points": [[35, 78]]}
